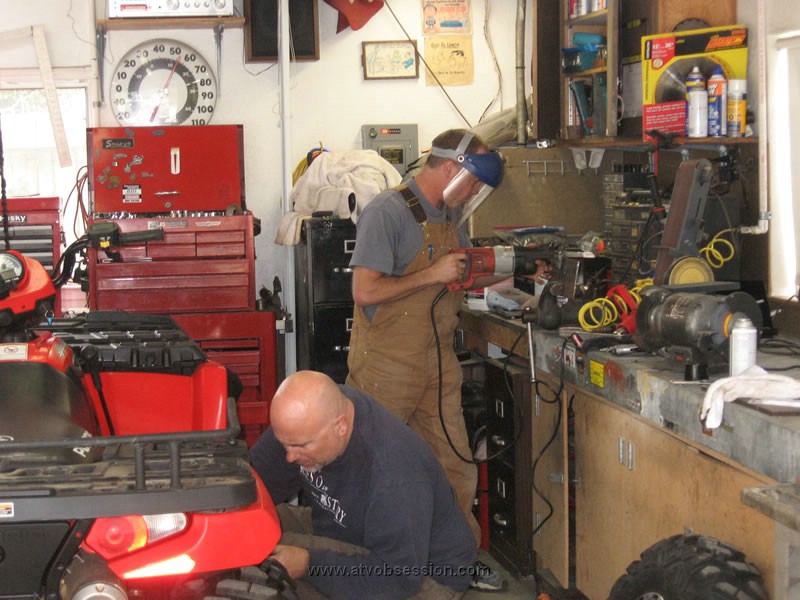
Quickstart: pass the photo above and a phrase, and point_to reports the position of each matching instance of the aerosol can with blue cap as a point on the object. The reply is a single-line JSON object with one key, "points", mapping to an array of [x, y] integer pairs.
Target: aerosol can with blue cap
{"points": [[717, 103]]}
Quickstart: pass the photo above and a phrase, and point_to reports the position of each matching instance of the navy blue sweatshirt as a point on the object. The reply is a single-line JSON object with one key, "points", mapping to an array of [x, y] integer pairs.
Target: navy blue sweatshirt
{"points": [[386, 493]]}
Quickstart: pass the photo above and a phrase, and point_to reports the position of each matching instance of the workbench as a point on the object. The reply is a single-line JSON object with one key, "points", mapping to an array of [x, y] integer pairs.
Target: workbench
{"points": [[644, 466]]}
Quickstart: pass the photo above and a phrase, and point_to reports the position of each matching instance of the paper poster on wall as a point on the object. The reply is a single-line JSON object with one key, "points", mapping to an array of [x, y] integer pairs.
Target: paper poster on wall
{"points": [[450, 58], [446, 16]]}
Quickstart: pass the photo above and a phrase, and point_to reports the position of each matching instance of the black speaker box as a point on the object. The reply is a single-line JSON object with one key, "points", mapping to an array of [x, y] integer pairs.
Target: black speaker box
{"points": [[261, 30]]}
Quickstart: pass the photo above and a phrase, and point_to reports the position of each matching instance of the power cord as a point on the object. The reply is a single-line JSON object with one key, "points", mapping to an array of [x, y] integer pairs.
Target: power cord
{"points": [[518, 430], [557, 401]]}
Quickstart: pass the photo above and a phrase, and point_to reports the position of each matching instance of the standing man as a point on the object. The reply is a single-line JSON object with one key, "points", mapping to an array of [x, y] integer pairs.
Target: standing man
{"points": [[383, 521], [402, 261]]}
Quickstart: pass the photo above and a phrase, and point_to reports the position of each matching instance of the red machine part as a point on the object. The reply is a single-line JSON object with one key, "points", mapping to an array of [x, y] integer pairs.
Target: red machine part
{"points": [[171, 402], [195, 549], [34, 287], [35, 231], [626, 304], [166, 169]]}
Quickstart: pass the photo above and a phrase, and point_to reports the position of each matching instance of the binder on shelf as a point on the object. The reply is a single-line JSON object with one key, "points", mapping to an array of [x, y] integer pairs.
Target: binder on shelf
{"points": [[579, 92]]}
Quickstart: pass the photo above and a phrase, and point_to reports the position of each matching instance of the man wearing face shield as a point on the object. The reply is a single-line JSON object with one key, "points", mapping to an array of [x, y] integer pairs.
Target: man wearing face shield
{"points": [[401, 262]]}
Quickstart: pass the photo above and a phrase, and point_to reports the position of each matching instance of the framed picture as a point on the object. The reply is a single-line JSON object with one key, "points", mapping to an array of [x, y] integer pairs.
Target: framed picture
{"points": [[261, 30], [395, 59]]}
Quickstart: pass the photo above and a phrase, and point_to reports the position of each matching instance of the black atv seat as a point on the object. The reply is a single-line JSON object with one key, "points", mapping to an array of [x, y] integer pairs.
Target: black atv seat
{"points": [[122, 341]]}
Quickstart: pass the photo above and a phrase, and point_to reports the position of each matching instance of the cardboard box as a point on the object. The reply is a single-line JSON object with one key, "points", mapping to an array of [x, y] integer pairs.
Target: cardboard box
{"points": [[667, 58]]}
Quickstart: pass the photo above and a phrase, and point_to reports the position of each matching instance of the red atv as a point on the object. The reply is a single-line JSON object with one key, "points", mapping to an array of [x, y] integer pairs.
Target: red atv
{"points": [[120, 472]]}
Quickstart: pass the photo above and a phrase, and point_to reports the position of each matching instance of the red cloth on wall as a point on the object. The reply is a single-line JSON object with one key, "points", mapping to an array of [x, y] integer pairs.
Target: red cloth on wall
{"points": [[354, 13]]}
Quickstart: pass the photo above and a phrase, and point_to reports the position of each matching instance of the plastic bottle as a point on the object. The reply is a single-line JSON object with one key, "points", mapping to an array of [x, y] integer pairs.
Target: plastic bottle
{"points": [[697, 104], [717, 103], [737, 107], [592, 242], [743, 344]]}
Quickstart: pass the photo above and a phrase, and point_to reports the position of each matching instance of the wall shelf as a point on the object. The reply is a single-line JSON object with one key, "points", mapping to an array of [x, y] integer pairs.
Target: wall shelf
{"points": [[598, 111], [637, 144], [171, 23]]}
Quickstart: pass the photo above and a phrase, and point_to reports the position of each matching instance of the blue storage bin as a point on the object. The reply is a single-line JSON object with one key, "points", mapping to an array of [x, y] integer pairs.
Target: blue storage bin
{"points": [[578, 59]]}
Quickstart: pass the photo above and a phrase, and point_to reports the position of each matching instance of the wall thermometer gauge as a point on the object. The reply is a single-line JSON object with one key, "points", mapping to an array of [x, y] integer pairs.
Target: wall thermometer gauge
{"points": [[163, 82]]}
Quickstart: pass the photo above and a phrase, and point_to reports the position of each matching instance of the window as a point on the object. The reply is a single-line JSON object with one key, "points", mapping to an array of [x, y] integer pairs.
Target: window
{"points": [[784, 156], [31, 164]]}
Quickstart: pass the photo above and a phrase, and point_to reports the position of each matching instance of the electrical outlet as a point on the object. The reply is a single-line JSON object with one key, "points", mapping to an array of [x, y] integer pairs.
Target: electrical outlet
{"points": [[569, 358], [728, 169]]}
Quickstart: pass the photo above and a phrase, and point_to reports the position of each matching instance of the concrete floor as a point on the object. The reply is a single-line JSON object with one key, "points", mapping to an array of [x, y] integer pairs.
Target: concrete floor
{"points": [[518, 589]]}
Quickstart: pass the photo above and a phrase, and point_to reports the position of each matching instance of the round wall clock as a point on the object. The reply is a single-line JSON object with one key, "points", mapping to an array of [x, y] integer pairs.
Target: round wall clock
{"points": [[163, 82]]}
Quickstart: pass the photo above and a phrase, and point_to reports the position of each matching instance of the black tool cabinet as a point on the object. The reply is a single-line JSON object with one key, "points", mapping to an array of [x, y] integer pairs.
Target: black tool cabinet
{"points": [[510, 478], [323, 280]]}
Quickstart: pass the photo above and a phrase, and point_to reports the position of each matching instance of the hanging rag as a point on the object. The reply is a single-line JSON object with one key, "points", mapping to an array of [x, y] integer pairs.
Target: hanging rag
{"points": [[753, 383], [339, 182]]}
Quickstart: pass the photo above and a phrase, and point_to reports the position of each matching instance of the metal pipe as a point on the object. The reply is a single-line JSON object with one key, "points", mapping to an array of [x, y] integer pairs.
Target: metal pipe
{"points": [[764, 214], [522, 103], [284, 38]]}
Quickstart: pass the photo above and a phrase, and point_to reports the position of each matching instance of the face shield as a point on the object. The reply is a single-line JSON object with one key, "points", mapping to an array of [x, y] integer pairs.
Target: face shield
{"points": [[479, 176]]}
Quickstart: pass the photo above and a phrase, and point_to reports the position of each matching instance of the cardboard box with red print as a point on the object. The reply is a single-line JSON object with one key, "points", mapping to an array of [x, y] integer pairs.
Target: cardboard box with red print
{"points": [[667, 58]]}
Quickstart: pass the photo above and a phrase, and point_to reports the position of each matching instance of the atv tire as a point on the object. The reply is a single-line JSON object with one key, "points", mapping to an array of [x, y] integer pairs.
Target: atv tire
{"points": [[268, 581], [690, 567]]}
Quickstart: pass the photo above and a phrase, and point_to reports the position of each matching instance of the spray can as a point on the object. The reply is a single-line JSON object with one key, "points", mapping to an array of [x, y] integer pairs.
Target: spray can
{"points": [[696, 105], [743, 344], [717, 103], [737, 107]]}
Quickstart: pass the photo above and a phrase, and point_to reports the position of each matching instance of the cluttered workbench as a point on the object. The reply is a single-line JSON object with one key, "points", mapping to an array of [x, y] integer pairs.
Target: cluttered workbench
{"points": [[631, 463]]}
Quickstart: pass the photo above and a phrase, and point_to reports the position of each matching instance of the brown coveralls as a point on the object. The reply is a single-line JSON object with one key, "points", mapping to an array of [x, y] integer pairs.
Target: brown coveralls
{"points": [[394, 359]]}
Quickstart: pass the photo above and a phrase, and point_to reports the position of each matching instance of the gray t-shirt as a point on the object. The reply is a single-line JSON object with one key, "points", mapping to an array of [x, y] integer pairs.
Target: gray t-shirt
{"points": [[388, 237]]}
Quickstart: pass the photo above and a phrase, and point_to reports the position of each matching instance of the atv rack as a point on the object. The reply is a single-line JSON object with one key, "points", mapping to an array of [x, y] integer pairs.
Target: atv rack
{"points": [[138, 474]]}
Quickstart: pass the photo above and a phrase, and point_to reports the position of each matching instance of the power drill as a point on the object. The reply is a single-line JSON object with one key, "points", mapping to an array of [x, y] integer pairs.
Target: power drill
{"points": [[498, 261]]}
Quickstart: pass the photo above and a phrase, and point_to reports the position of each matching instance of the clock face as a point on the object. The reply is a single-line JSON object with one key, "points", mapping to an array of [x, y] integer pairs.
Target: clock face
{"points": [[163, 82]]}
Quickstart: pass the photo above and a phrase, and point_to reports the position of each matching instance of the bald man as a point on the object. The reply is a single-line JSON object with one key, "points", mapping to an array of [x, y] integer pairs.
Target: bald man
{"points": [[383, 521]]}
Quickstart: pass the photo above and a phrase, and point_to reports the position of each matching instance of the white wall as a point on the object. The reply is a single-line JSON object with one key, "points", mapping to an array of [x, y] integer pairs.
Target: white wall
{"points": [[329, 100]]}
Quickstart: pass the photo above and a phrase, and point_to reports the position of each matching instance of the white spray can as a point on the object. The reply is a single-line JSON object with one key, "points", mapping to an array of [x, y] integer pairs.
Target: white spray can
{"points": [[742, 345], [697, 105]]}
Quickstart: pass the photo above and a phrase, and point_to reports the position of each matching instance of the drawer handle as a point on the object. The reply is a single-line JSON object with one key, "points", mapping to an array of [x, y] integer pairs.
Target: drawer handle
{"points": [[342, 348], [499, 520], [499, 441], [346, 270]]}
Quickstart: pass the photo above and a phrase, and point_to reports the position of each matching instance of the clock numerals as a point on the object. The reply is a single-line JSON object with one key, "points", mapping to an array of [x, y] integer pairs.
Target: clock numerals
{"points": [[163, 82]]}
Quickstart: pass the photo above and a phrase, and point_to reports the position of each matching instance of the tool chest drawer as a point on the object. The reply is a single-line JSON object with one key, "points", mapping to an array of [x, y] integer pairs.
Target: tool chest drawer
{"points": [[202, 264], [245, 342]]}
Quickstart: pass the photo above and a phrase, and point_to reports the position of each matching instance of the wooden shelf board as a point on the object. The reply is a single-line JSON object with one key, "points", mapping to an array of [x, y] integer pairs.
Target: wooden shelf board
{"points": [[587, 72], [638, 144], [597, 17], [171, 23]]}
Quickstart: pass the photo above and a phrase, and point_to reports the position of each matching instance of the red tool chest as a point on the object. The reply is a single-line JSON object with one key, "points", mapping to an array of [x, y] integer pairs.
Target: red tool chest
{"points": [[34, 228], [163, 170], [203, 264], [245, 342]]}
